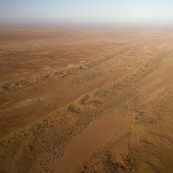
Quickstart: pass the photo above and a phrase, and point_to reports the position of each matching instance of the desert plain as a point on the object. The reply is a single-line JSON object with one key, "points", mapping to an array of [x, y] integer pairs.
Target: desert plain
{"points": [[86, 99]]}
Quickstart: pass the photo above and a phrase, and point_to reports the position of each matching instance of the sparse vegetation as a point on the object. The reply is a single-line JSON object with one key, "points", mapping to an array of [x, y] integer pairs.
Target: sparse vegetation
{"points": [[51, 94]]}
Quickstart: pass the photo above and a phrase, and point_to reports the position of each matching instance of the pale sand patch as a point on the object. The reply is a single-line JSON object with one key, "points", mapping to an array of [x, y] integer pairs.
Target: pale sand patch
{"points": [[71, 65], [155, 94], [25, 102]]}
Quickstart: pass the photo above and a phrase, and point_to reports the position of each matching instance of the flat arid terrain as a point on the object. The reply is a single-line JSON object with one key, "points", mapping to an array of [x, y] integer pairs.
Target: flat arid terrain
{"points": [[86, 99]]}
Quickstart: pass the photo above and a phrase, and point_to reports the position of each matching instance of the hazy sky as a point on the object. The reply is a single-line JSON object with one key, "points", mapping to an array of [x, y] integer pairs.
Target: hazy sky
{"points": [[87, 11]]}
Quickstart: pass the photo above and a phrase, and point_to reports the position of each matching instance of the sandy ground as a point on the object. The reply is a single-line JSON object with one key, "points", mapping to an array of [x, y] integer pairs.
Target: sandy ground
{"points": [[86, 99]]}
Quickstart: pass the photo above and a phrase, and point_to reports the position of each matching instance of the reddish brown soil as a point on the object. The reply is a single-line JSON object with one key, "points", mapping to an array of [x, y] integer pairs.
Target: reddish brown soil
{"points": [[86, 99]]}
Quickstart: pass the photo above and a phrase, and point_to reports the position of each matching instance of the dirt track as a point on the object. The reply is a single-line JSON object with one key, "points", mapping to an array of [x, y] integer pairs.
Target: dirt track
{"points": [[86, 99]]}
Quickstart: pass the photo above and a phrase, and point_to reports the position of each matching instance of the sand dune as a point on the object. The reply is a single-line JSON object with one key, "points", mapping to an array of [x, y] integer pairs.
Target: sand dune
{"points": [[86, 99]]}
